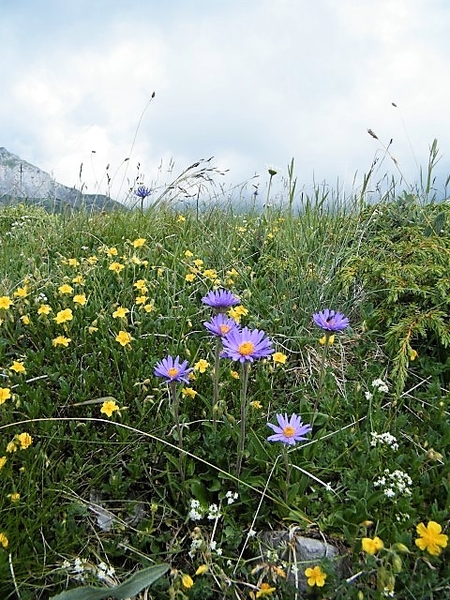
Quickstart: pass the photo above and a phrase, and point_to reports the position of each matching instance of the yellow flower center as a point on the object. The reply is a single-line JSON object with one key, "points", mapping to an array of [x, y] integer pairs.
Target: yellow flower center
{"points": [[173, 372], [225, 329], [246, 348], [289, 431]]}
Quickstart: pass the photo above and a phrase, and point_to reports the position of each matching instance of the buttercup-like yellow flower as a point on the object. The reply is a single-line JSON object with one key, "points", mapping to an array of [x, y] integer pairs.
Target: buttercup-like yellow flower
{"points": [[138, 243], [124, 338], [236, 312], [190, 277], [44, 309], [202, 569], [256, 404], [5, 302], [210, 273], [109, 407], [279, 358], [25, 440], [65, 289], [120, 312], [15, 497], [315, 576], [188, 391], [431, 538], [4, 540], [141, 300], [63, 316], [201, 365], [5, 394], [73, 262], [112, 252], [372, 545], [141, 284], [265, 590], [181, 219], [21, 292], [11, 447], [234, 374], [3, 460], [17, 367], [61, 341], [78, 279], [25, 319], [116, 267], [149, 307], [79, 299]]}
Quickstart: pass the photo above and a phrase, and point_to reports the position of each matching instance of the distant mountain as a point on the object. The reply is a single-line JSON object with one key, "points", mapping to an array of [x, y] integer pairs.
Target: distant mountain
{"points": [[22, 182]]}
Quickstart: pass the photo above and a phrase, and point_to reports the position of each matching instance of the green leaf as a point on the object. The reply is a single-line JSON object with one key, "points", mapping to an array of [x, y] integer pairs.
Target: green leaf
{"points": [[130, 587]]}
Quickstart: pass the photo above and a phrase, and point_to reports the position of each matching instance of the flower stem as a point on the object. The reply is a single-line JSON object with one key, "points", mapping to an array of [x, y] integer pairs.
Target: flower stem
{"points": [[215, 407], [241, 443], [288, 472], [322, 370], [173, 393]]}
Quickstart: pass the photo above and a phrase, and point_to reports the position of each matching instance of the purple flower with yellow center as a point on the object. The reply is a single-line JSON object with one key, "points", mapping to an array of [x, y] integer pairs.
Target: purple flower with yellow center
{"points": [[289, 431], [246, 345], [220, 325], [221, 300], [330, 320], [143, 192], [172, 369]]}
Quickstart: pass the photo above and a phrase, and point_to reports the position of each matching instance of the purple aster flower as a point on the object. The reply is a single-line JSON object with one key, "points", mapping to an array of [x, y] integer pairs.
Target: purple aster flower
{"points": [[172, 370], [143, 192], [329, 320], [289, 431], [221, 300], [246, 345], [220, 325]]}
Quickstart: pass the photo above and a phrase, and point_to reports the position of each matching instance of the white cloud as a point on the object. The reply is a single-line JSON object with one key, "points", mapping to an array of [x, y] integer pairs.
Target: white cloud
{"points": [[252, 82]]}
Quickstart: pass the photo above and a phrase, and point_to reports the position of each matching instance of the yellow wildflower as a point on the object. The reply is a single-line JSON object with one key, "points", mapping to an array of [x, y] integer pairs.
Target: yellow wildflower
{"points": [[201, 570], [236, 312], [190, 277], [25, 319], [3, 460], [11, 447], [65, 289], [279, 358], [210, 273], [188, 254], [112, 252], [5, 394], [431, 539], [73, 262], [323, 340], [413, 354], [15, 497], [79, 299], [315, 576], [44, 309], [25, 440], [5, 302], [61, 341], [188, 391], [265, 590], [187, 581], [149, 307], [138, 243], [78, 279], [17, 367], [4, 540], [256, 404], [371, 546], [181, 219], [141, 300], [92, 260], [234, 374], [63, 316], [201, 365], [21, 292], [120, 312], [116, 267], [124, 338], [141, 284], [108, 407]]}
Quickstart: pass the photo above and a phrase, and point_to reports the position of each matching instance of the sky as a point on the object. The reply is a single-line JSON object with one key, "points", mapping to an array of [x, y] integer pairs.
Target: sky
{"points": [[253, 83]]}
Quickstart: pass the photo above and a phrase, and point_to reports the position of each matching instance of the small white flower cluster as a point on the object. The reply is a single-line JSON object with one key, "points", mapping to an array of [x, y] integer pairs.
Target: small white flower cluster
{"points": [[81, 567], [394, 483], [379, 386], [196, 545], [231, 497], [214, 548], [384, 439], [198, 512]]}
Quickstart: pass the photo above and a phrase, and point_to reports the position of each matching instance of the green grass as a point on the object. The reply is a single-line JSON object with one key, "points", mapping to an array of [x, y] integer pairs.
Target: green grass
{"points": [[385, 267]]}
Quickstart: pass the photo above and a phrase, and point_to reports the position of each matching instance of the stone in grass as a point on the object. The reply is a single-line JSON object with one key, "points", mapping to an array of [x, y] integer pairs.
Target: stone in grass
{"points": [[298, 553]]}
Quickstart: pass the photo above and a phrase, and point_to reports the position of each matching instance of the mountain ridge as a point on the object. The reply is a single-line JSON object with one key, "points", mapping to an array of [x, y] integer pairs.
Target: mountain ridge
{"points": [[21, 181]]}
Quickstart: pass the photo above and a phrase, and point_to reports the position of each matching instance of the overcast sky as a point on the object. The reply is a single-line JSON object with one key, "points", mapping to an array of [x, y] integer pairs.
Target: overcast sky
{"points": [[251, 82]]}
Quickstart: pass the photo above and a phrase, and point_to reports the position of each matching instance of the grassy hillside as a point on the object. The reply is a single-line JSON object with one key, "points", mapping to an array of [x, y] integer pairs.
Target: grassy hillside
{"points": [[107, 467]]}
